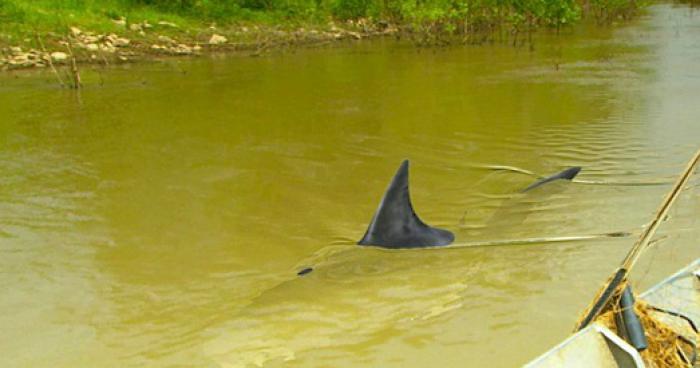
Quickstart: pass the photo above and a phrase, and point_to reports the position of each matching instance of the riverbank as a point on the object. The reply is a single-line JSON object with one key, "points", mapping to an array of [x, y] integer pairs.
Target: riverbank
{"points": [[43, 33], [146, 40]]}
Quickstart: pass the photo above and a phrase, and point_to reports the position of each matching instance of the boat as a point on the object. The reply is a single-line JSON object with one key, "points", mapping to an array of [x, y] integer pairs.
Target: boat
{"points": [[676, 303]]}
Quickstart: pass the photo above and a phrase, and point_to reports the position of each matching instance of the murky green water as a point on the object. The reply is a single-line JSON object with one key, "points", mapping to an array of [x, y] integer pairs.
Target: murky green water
{"points": [[159, 218]]}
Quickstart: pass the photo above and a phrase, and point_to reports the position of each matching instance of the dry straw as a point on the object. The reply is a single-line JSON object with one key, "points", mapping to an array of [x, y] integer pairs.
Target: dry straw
{"points": [[666, 347]]}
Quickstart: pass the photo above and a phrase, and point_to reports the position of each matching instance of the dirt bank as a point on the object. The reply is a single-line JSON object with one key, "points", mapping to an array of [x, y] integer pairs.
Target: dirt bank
{"points": [[144, 40]]}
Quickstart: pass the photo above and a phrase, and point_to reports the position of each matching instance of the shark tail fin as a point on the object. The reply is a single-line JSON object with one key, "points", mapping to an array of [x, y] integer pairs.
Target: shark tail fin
{"points": [[568, 174]]}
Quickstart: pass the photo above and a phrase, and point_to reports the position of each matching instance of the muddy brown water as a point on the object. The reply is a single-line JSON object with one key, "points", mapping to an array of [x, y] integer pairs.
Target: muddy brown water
{"points": [[159, 217]]}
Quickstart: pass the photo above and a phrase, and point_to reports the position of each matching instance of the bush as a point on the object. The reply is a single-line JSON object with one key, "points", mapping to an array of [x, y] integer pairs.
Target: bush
{"points": [[10, 11], [352, 9]]}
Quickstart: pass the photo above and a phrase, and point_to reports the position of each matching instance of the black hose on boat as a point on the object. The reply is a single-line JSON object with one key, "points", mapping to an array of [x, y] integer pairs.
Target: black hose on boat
{"points": [[628, 323]]}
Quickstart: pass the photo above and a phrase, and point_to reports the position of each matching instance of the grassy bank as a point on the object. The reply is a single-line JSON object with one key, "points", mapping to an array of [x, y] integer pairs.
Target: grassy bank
{"points": [[53, 15], [124, 29]]}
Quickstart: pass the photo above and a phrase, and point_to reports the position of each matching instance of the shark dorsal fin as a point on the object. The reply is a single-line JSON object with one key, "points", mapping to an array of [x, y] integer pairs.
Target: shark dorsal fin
{"points": [[395, 223]]}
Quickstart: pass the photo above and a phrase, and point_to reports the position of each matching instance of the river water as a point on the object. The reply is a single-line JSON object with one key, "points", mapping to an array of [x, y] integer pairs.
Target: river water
{"points": [[159, 217]]}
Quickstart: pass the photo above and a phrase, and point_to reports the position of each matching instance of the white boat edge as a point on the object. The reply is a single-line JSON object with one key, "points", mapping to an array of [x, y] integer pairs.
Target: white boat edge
{"points": [[598, 346]]}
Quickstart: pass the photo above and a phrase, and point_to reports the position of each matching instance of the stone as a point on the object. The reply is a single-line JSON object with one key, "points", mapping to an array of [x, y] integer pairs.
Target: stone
{"points": [[16, 50], [181, 49], [92, 47], [107, 47], [75, 31], [59, 56], [120, 22], [121, 42], [217, 39], [90, 39], [135, 27], [167, 24], [166, 39]]}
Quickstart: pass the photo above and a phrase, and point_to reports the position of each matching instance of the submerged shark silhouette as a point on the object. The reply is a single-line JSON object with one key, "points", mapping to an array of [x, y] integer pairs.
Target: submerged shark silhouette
{"points": [[567, 174], [395, 223]]}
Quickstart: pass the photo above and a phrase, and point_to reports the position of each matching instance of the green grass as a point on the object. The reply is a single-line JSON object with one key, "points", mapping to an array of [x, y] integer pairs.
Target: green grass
{"points": [[54, 15]]}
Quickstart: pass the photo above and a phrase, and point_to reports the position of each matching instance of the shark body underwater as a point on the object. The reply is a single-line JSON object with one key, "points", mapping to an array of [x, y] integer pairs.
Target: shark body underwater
{"points": [[395, 224]]}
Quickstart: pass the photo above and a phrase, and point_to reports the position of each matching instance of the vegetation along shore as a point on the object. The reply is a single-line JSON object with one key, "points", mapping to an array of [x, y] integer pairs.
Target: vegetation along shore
{"points": [[43, 33]]}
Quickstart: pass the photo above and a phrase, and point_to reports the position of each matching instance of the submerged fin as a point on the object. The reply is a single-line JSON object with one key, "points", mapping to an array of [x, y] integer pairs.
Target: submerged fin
{"points": [[567, 174], [396, 225]]}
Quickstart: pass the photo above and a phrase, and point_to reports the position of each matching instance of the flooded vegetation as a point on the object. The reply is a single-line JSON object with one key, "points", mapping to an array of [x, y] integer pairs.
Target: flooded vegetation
{"points": [[205, 211]]}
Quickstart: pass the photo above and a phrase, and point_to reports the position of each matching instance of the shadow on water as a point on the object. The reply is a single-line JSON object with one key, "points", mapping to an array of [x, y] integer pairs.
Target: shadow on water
{"points": [[347, 295], [356, 294], [515, 209]]}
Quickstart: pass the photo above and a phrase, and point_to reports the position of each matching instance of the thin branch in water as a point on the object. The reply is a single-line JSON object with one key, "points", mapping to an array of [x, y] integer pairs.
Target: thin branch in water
{"points": [[49, 59], [74, 68]]}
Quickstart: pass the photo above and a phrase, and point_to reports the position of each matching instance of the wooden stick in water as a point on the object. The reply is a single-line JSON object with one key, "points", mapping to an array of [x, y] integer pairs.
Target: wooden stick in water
{"points": [[644, 239], [616, 283], [48, 60], [77, 84]]}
